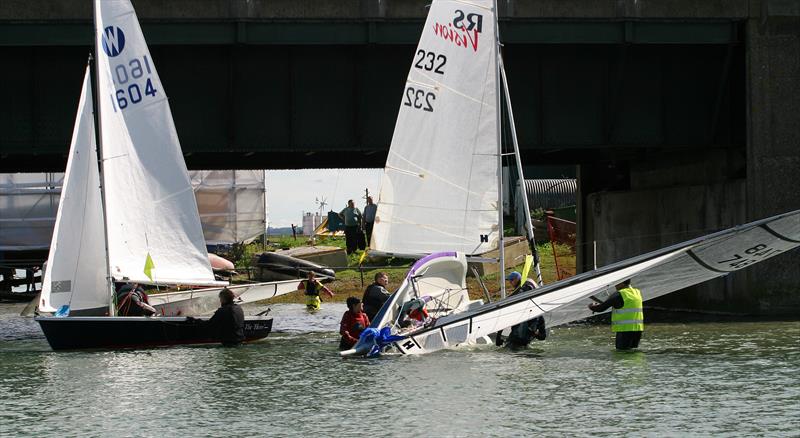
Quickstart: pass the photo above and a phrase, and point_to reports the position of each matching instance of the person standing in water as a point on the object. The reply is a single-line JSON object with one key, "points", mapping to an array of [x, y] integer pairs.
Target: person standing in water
{"points": [[627, 318], [312, 288], [354, 321], [227, 323], [523, 333], [375, 295]]}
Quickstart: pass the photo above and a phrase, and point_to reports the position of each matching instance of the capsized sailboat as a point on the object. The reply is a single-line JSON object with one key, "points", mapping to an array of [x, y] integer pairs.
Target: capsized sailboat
{"points": [[127, 210], [656, 273], [440, 196]]}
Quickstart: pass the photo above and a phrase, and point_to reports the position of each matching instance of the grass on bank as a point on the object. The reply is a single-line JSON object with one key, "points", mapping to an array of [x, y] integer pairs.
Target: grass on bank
{"points": [[349, 281]]}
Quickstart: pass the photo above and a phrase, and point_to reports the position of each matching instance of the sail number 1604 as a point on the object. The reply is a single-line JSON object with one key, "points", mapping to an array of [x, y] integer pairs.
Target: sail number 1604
{"points": [[133, 83]]}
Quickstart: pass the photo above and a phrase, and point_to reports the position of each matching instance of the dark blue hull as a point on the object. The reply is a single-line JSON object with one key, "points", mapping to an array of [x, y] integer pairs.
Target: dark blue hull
{"points": [[90, 332]]}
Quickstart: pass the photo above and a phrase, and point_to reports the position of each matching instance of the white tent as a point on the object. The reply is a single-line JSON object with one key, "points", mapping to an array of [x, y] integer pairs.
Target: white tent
{"points": [[232, 206]]}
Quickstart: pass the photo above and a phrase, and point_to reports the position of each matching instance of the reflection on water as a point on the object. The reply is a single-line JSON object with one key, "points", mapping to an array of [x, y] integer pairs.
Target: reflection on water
{"points": [[699, 379]]}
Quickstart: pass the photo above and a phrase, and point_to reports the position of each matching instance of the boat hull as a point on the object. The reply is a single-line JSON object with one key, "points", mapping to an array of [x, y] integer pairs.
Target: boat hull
{"points": [[276, 267], [100, 332], [206, 301]]}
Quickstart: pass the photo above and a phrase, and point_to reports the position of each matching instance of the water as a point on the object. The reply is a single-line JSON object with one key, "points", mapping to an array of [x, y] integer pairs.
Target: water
{"points": [[689, 379]]}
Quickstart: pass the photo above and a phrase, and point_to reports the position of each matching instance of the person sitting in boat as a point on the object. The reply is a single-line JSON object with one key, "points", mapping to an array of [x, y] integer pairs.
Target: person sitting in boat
{"points": [[523, 333], [312, 288], [354, 321], [375, 295], [132, 301]]}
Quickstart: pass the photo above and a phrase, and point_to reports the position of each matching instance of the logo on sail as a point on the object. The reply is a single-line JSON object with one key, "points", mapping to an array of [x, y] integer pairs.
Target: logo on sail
{"points": [[113, 41], [463, 31]]}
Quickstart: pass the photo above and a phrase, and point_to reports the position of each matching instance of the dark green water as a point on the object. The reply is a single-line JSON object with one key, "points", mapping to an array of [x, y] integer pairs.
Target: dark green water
{"points": [[726, 379]]}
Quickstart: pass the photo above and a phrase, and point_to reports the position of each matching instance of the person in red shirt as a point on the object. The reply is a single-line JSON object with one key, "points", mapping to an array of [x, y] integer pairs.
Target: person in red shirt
{"points": [[354, 321]]}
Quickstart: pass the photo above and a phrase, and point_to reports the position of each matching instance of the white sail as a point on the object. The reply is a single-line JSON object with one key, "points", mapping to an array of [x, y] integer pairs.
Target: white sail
{"points": [[76, 274], [154, 231], [655, 274], [439, 190]]}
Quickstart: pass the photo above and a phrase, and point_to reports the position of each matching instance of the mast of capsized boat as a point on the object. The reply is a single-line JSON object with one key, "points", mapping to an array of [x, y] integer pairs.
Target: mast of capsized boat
{"points": [[525, 205], [500, 241], [98, 141]]}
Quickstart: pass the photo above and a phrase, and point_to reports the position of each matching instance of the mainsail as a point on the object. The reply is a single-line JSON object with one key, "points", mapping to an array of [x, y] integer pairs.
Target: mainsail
{"points": [[655, 274], [76, 273], [439, 190], [154, 231]]}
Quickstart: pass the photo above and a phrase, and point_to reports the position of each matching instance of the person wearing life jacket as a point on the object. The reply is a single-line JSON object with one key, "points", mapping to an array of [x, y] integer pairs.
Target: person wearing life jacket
{"points": [[354, 321], [312, 288], [523, 333], [132, 301], [627, 318]]}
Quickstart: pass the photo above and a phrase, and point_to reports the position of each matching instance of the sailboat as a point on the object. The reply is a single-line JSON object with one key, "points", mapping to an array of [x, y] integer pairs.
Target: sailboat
{"points": [[441, 198], [127, 212]]}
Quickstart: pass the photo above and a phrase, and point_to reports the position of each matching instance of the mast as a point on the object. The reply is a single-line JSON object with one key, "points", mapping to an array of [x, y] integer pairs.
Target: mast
{"points": [[98, 139], [501, 243], [528, 222]]}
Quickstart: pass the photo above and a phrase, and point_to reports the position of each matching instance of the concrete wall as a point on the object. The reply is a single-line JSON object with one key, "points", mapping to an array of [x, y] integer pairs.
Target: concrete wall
{"points": [[773, 142], [651, 201]]}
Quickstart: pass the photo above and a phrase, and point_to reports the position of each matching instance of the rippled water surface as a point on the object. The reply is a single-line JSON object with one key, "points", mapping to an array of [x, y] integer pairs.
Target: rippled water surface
{"points": [[688, 379]]}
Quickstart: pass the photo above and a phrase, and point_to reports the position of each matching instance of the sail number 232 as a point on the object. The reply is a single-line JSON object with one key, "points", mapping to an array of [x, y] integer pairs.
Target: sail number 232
{"points": [[430, 61], [419, 99], [133, 83]]}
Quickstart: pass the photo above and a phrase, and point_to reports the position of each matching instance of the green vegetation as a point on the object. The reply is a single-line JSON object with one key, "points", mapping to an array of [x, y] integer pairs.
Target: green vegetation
{"points": [[349, 281]]}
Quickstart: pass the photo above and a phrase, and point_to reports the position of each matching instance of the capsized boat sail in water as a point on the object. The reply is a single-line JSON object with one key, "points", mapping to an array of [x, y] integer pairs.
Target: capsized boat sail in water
{"points": [[656, 273], [127, 210]]}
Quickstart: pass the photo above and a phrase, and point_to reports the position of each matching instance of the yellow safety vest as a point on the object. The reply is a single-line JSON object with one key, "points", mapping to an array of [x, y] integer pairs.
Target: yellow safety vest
{"points": [[630, 317]]}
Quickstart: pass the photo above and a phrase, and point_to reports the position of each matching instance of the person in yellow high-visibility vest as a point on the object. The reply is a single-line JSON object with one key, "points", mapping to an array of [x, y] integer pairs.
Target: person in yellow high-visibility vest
{"points": [[627, 317]]}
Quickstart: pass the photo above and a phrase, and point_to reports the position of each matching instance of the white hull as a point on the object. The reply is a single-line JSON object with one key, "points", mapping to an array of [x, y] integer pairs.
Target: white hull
{"points": [[205, 301]]}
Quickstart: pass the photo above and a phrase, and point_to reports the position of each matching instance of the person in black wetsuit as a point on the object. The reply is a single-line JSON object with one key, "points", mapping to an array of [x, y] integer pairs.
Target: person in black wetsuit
{"points": [[228, 321], [375, 295], [523, 333]]}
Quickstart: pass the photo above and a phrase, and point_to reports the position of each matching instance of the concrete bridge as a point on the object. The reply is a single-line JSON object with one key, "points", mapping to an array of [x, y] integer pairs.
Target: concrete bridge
{"points": [[678, 117]]}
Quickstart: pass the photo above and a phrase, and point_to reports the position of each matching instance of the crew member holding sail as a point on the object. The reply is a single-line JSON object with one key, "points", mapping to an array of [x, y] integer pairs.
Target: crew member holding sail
{"points": [[312, 288], [375, 295], [627, 318], [523, 333], [354, 321]]}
